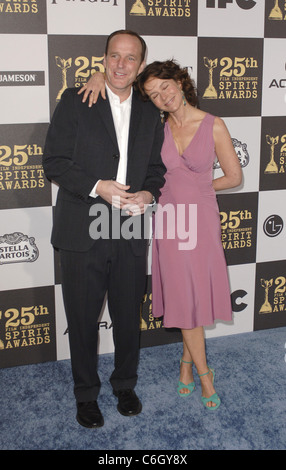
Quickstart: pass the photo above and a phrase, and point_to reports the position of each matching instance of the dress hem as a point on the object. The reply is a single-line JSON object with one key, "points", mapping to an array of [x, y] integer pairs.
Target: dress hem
{"points": [[197, 326]]}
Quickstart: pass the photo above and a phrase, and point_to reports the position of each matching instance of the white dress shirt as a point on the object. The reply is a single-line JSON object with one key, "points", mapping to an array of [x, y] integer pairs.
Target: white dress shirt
{"points": [[121, 118]]}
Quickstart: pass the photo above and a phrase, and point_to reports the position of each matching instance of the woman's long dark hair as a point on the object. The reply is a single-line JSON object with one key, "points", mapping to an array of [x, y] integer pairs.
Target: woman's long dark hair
{"points": [[168, 70]]}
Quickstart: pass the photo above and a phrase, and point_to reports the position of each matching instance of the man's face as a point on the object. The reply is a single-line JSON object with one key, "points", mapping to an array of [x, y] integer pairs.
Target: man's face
{"points": [[123, 64]]}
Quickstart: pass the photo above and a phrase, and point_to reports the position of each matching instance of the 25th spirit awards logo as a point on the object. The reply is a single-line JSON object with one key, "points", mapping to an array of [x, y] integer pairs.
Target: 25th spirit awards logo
{"points": [[22, 329], [275, 18], [238, 213], [270, 295], [237, 78], [236, 232], [19, 6], [23, 16], [19, 167], [274, 295], [27, 326], [72, 62], [138, 9], [230, 75], [276, 165], [147, 320], [275, 155], [161, 8], [276, 12], [84, 68]]}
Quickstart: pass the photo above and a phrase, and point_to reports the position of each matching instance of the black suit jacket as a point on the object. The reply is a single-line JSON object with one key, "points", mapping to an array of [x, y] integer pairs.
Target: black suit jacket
{"points": [[81, 148]]}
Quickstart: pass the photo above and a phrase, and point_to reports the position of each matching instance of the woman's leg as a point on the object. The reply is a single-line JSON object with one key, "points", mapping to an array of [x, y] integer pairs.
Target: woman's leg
{"points": [[194, 349], [186, 369]]}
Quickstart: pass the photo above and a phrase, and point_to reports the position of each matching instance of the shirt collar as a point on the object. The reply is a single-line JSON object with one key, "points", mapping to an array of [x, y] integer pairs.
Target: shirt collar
{"points": [[114, 99]]}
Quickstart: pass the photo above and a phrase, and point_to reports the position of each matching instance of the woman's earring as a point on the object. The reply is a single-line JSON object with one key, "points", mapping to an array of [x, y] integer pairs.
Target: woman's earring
{"points": [[162, 116], [184, 99]]}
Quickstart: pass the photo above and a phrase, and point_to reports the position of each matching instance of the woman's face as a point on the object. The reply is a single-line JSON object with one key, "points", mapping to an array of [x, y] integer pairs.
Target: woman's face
{"points": [[164, 93]]}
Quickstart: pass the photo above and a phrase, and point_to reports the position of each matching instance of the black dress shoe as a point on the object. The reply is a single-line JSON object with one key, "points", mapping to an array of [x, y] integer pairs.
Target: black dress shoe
{"points": [[89, 415], [128, 402]]}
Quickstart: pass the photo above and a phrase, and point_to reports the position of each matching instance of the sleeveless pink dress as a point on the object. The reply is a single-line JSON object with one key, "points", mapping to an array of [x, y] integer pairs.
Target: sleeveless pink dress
{"points": [[190, 285]]}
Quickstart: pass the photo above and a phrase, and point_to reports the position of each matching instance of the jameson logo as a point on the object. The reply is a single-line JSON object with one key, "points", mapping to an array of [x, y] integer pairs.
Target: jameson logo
{"points": [[237, 78], [17, 248], [19, 6], [164, 8], [22, 78]]}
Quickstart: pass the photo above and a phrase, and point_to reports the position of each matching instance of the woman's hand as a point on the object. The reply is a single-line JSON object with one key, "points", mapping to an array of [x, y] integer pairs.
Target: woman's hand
{"points": [[94, 86]]}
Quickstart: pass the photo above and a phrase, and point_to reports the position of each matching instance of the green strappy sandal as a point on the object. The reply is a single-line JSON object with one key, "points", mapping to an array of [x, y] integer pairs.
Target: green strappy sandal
{"points": [[214, 398], [191, 386]]}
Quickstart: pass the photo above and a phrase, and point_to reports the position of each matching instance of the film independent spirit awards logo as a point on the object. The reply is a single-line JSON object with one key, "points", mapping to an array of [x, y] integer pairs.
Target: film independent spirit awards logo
{"points": [[274, 294], [165, 8], [276, 12]]}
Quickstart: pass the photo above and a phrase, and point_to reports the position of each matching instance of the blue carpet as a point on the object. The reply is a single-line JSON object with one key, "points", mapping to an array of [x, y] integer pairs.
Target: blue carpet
{"points": [[37, 408]]}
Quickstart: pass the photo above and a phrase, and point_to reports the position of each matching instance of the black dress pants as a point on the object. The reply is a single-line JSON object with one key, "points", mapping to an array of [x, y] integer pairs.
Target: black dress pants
{"points": [[109, 266]]}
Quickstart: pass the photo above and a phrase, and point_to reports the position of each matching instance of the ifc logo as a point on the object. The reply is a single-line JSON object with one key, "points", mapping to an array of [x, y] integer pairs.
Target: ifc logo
{"points": [[244, 4]]}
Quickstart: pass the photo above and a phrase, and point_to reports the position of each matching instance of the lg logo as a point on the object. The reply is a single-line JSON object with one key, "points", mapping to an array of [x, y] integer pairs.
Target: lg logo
{"points": [[244, 4], [273, 225]]}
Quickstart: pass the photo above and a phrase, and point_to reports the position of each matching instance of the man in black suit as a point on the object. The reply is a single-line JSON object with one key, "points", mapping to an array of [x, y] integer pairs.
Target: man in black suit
{"points": [[107, 156]]}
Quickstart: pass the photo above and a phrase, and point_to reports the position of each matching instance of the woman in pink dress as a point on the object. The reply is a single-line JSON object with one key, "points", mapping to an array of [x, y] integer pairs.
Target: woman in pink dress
{"points": [[190, 287], [189, 274]]}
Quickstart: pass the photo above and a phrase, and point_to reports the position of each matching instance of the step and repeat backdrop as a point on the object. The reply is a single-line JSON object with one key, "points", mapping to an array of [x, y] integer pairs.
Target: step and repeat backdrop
{"points": [[235, 50]]}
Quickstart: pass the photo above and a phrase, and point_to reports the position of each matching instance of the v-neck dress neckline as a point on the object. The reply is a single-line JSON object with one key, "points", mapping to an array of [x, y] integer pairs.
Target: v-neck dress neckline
{"points": [[193, 138]]}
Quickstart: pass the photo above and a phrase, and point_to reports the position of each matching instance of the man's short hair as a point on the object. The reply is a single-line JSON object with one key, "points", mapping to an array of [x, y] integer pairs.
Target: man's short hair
{"points": [[131, 33]]}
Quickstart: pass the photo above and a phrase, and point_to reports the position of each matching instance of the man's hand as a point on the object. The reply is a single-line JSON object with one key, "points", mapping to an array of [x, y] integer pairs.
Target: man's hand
{"points": [[113, 192], [138, 203]]}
